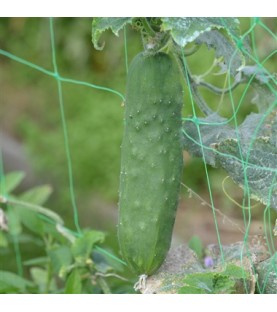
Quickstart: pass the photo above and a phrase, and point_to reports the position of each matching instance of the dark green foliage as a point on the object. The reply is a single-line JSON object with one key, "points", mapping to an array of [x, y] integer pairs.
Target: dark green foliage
{"points": [[49, 257], [225, 282]]}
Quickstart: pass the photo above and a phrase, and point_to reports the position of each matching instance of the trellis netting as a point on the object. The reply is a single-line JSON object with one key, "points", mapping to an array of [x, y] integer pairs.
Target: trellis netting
{"points": [[229, 122]]}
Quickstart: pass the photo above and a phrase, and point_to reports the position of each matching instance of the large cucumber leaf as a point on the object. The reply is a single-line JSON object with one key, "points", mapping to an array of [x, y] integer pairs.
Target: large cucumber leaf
{"points": [[224, 47], [186, 29], [264, 84], [100, 24], [249, 155]]}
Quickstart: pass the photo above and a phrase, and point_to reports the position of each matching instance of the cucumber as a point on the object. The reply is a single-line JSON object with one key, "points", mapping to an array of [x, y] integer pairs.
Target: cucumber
{"points": [[151, 161]]}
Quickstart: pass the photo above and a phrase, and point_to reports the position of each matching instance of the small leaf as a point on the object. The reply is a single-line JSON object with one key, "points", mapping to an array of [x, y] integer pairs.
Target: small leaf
{"points": [[223, 284], [10, 282], [203, 281], [13, 221], [32, 221], [191, 290], [10, 181], [60, 256], [29, 218], [82, 247], [235, 271], [3, 240], [36, 261], [37, 195], [27, 239], [74, 283], [100, 262], [40, 278], [101, 24], [186, 29], [47, 213], [196, 245]]}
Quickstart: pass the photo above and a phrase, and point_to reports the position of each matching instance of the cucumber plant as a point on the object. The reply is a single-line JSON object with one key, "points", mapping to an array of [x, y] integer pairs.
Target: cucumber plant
{"points": [[151, 164]]}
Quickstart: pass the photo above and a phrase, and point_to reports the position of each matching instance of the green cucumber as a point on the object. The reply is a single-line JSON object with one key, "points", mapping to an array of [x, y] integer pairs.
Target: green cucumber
{"points": [[151, 161]]}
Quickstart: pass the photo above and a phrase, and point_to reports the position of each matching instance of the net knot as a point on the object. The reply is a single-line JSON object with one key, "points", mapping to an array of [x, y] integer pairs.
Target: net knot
{"points": [[56, 75], [256, 20], [195, 120], [239, 44]]}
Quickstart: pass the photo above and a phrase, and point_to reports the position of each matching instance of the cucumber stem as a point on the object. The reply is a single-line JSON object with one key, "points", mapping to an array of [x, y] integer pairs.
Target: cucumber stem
{"points": [[147, 27], [216, 89], [192, 50], [203, 106]]}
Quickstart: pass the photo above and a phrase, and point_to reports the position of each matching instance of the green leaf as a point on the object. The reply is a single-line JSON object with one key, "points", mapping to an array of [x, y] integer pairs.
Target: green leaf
{"points": [[28, 239], [13, 221], [3, 240], [267, 275], [29, 218], [47, 213], [11, 181], [226, 148], [213, 129], [36, 261], [10, 282], [82, 247], [186, 29], [182, 269], [223, 284], [74, 283], [37, 195], [32, 221], [224, 47], [101, 24], [259, 74], [263, 83], [60, 256], [191, 290], [196, 245], [235, 271], [260, 171], [213, 282], [104, 261], [40, 278], [202, 281]]}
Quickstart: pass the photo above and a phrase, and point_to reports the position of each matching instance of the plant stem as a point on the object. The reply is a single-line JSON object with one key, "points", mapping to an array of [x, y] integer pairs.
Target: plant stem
{"points": [[192, 85], [49, 278], [216, 89], [104, 286], [192, 50], [147, 27]]}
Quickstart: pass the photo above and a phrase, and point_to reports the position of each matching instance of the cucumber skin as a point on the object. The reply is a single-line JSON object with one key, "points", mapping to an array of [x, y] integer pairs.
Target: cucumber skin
{"points": [[151, 161]]}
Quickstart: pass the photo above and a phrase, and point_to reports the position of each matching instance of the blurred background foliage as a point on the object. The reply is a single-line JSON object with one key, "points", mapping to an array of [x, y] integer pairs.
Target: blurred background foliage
{"points": [[29, 113]]}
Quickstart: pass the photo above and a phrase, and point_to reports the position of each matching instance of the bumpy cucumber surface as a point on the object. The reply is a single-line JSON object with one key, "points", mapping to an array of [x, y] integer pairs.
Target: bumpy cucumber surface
{"points": [[151, 163]]}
